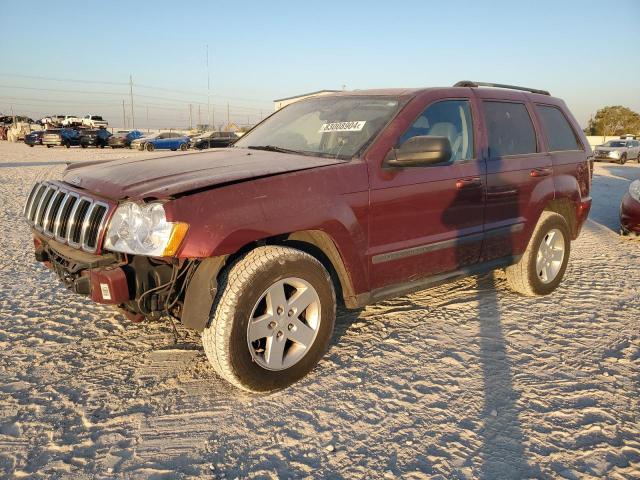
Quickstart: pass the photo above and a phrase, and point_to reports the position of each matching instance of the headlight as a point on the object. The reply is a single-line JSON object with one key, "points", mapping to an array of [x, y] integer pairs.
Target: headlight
{"points": [[144, 230], [634, 190]]}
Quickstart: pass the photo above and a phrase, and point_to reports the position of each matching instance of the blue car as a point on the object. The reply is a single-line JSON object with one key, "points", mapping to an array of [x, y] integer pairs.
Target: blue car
{"points": [[34, 138], [162, 141]]}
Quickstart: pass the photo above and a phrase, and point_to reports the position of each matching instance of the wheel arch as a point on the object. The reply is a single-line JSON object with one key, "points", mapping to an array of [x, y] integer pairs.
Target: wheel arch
{"points": [[202, 290], [564, 207]]}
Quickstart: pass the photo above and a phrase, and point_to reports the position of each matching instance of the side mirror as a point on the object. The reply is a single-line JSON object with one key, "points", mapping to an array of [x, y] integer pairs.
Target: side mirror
{"points": [[420, 151]]}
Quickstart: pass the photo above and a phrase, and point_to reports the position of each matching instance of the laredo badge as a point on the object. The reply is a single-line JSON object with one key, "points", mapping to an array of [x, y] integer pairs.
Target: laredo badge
{"points": [[342, 127]]}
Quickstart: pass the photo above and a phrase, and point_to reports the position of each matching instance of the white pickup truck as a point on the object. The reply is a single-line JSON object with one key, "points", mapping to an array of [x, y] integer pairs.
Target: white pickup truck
{"points": [[94, 121]]}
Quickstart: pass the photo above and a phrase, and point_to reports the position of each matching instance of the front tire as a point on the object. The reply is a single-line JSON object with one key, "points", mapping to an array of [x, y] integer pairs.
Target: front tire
{"points": [[542, 266], [149, 147], [273, 320], [623, 159], [183, 147]]}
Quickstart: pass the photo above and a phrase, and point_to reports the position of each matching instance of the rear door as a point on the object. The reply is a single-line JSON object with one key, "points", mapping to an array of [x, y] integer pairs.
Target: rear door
{"points": [[428, 220], [519, 174]]}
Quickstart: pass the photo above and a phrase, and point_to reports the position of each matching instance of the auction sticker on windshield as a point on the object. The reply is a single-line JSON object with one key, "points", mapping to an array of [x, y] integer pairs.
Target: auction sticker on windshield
{"points": [[342, 127]]}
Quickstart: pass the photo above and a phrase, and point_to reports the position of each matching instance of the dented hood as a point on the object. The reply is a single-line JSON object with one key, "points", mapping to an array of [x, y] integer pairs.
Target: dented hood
{"points": [[167, 176]]}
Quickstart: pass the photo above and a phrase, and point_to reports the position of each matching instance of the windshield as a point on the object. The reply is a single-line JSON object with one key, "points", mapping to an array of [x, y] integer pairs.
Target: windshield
{"points": [[615, 144], [336, 126]]}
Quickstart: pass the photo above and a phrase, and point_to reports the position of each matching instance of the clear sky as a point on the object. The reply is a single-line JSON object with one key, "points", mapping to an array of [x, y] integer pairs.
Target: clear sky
{"points": [[82, 52]]}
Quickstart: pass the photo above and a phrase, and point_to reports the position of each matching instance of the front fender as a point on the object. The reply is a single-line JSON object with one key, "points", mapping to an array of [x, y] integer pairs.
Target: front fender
{"points": [[330, 199]]}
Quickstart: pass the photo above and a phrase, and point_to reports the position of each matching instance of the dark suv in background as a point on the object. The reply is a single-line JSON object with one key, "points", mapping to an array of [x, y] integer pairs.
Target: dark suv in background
{"points": [[348, 198], [213, 140], [94, 138]]}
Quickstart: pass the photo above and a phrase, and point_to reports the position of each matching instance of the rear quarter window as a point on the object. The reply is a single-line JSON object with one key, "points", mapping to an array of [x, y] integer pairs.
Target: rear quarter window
{"points": [[560, 135], [509, 129]]}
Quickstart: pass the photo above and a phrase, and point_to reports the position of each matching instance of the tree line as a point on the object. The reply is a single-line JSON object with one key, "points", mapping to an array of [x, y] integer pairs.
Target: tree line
{"points": [[614, 120]]}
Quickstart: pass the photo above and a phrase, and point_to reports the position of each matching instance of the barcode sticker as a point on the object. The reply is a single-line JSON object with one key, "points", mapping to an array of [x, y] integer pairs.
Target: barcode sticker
{"points": [[342, 127]]}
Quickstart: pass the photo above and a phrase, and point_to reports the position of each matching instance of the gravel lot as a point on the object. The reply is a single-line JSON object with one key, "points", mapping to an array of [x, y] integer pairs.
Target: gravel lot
{"points": [[465, 380]]}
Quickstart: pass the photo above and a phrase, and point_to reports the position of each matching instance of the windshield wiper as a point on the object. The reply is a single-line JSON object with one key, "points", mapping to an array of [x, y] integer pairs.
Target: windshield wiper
{"points": [[273, 148]]}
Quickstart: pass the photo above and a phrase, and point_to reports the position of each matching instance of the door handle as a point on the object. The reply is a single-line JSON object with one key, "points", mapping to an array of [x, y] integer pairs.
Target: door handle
{"points": [[541, 172], [468, 182]]}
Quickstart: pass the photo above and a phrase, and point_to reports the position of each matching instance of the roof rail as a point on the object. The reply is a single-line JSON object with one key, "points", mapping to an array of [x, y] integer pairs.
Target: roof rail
{"points": [[468, 83]]}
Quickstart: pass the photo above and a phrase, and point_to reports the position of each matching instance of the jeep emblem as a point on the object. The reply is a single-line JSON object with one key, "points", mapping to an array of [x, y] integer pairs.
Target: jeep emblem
{"points": [[75, 181]]}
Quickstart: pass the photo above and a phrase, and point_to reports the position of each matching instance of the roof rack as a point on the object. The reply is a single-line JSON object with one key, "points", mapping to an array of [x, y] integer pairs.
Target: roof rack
{"points": [[468, 83]]}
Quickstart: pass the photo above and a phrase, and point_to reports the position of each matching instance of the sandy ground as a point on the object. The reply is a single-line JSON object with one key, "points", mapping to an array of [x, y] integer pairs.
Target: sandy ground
{"points": [[467, 380]]}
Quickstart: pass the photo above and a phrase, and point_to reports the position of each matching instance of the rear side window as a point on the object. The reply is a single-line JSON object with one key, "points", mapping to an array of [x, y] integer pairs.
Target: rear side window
{"points": [[560, 135], [509, 128]]}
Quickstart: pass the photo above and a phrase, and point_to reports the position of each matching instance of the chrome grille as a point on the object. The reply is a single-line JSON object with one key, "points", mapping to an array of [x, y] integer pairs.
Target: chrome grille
{"points": [[66, 215]]}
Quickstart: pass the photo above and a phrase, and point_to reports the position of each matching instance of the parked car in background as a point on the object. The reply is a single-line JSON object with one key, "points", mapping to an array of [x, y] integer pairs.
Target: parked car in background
{"points": [[94, 138], [34, 138], [10, 119], [123, 138], [630, 210], [618, 151], [349, 198], [213, 140], [94, 121], [53, 120], [162, 141], [65, 137], [71, 121]]}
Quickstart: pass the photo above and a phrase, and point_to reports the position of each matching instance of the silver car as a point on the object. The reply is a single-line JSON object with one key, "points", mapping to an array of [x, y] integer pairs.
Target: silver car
{"points": [[618, 151]]}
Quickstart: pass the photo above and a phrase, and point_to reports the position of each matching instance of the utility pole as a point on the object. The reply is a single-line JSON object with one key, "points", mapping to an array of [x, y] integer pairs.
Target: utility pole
{"points": [[228, 120], [133, 118], [124, 118], [209, 115], [190, 118]]}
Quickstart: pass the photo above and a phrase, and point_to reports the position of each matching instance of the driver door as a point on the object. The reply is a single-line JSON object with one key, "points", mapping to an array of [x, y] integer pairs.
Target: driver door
{"points": [[429, 220]]}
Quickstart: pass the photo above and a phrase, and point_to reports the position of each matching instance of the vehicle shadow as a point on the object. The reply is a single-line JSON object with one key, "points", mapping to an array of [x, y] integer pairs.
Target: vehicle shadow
{"points": [[502, 451], [503, 454]]}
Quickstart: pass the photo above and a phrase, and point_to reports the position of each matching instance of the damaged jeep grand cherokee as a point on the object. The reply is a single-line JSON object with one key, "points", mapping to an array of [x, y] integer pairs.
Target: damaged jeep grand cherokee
{"points": [[347, 198]]}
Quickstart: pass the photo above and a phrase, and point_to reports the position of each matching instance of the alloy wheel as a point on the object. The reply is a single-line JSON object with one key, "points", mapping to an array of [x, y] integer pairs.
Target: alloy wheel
{"points": [[550, 256], [284, 324]]}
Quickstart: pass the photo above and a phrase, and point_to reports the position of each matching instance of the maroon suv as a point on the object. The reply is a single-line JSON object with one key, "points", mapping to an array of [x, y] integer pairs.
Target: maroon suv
{"points": [[353, 197]]}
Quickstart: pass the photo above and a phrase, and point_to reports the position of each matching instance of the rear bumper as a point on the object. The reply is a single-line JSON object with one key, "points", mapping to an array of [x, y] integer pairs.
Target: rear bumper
{"points": [[630, 215], [582, 212]]}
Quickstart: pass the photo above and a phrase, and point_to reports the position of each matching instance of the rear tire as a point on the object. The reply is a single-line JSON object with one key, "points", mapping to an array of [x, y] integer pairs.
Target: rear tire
{"points": [[244, 303], [540, 270], [183, 147]]}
